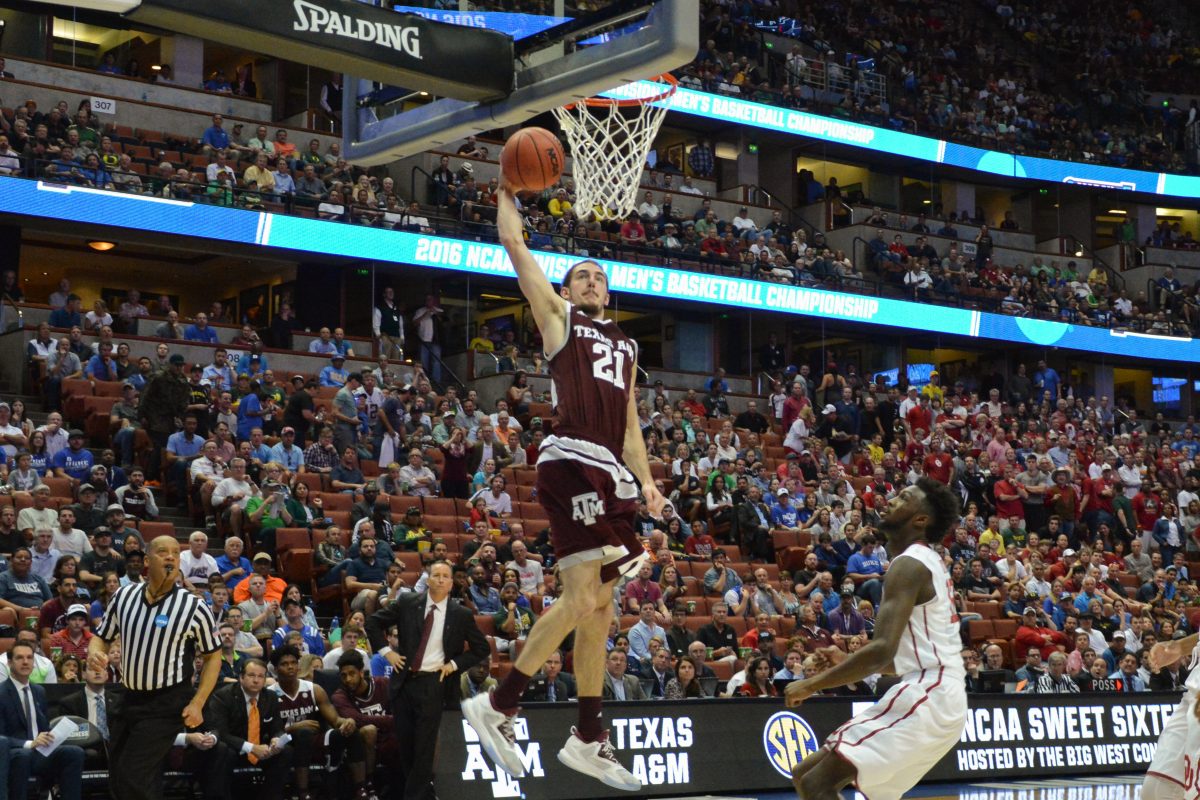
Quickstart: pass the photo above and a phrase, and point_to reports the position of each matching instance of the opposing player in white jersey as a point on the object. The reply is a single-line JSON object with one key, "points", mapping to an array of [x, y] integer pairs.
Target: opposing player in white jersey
{"points": [[888, 748], [1174, 772]]}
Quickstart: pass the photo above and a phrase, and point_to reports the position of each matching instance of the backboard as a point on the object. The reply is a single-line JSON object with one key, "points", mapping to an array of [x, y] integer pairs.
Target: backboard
{"points": [[558, 60]]}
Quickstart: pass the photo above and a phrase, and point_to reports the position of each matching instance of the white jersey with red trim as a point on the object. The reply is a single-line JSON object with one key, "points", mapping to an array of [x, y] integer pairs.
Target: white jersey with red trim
{"points": [[932, 639], [1192, 683]]}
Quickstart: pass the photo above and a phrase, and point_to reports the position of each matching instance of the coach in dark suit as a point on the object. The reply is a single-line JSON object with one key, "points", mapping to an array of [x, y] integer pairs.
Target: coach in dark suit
{"points": [[438, 640], [97, 701], [229, 714], [23, 719]]}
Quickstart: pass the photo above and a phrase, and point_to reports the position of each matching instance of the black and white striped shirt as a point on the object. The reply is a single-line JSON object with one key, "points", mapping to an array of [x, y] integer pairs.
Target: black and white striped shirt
{"points": [[158, 641]]}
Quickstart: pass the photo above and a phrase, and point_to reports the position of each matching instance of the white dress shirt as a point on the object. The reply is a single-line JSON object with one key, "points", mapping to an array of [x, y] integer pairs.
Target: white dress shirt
{"points": [[435, 654]]}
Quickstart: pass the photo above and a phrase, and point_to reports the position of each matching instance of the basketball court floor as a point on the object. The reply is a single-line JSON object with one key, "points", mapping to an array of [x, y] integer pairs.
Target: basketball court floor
{"points": [[1107, 787]]}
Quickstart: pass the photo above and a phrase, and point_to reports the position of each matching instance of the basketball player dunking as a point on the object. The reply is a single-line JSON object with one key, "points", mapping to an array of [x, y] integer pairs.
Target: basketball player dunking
{"points": [[888, 748], [586, 474]]}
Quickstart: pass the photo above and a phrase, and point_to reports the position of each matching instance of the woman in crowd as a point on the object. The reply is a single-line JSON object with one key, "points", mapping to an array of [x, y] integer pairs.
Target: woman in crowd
{"points": [[758, 679], [109, 584], [18, 418], [516, 394], [39, 459], [455, 480], [685, 683], [670, 584], [309, 511], [483, 479], [68, 566]]}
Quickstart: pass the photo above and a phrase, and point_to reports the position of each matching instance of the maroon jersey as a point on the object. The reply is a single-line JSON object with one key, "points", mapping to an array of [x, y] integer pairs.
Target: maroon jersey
{"points": [[297, 708], [590, 380]]}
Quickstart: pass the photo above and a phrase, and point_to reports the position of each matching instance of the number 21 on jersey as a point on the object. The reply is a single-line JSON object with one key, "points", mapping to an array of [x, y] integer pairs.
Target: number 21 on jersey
{"points": [[610, 364]]}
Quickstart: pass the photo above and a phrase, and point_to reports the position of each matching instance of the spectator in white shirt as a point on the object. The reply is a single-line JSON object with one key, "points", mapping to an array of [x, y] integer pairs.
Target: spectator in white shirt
{"points": [[195, 563], [746, 227]]}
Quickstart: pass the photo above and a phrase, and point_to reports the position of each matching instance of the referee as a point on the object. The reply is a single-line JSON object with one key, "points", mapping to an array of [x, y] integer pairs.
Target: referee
{"points": [[161, 627]]}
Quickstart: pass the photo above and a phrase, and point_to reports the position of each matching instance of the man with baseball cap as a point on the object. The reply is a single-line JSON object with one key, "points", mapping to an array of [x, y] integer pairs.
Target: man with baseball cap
{"points": [[262, 567], [74, 461], [73, 640], [287, 452], [335, 374]]}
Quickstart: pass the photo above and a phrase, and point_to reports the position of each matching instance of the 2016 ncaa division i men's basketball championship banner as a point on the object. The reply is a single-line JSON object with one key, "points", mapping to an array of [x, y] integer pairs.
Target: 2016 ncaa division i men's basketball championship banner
{"points": [[717, 746]]}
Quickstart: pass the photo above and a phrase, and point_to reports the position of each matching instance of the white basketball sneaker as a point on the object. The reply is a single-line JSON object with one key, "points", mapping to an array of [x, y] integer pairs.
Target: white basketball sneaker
{"points": [[495, 730], [598, 760]]}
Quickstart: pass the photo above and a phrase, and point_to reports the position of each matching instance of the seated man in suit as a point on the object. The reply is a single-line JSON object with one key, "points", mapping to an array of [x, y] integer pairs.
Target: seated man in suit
{"points": [[96, 701], [549, 685], [248, 726], [25, 724], [659, 673], [618, 685]]}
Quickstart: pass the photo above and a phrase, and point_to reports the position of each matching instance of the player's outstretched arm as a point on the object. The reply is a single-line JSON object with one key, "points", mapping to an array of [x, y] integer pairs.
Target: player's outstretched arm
{"points": [[549, 310], [901, 587]]}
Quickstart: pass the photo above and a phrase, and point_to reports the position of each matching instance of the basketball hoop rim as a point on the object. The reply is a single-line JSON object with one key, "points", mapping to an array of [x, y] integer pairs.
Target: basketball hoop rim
{"points": [[608, 102]]}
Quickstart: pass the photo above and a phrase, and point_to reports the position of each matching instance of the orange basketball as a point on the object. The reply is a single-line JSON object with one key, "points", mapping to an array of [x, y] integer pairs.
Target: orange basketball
{"points": [[532, 159]]}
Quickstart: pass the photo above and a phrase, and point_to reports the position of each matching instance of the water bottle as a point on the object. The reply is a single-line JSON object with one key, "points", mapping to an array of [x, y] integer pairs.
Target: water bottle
{"points": [[334, 624]]}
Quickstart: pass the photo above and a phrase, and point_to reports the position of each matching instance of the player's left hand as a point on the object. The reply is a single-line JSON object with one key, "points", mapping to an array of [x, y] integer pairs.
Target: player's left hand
{"points": [[797, 692], [654, 500], [446, 672], [193, 715]]}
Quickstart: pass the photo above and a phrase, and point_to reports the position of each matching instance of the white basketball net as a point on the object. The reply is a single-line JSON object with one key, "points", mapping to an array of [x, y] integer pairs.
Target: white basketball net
{"points": [[609, 144]]}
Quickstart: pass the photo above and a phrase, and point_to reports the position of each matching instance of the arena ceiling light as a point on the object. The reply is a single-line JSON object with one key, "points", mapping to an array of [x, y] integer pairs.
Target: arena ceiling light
{"points": [[102, 246]]}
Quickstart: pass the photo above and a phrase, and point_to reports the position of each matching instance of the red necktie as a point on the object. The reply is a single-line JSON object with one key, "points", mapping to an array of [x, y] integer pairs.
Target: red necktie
{"points": [[425, 631]]}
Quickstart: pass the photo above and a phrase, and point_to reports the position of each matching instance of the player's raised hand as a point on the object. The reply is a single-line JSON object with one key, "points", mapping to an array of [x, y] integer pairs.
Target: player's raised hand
{"points": [[1164, 654]]}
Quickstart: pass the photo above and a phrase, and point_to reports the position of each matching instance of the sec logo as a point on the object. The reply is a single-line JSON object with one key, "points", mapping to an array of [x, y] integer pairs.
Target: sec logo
{"points": [[788, 740]]}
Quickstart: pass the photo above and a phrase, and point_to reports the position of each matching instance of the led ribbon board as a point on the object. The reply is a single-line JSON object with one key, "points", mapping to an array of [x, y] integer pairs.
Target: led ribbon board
{"points": [[923, 148], [518, 26], [174, 217]]}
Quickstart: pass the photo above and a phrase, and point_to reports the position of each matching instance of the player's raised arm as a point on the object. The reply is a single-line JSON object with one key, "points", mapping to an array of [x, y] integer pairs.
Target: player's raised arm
{"points": [[901, 588], [549, 309]]}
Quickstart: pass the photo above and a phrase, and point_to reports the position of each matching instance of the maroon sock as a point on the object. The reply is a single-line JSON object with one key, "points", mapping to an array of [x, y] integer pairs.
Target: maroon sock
{"points": [[591, 719], [507, 696]]}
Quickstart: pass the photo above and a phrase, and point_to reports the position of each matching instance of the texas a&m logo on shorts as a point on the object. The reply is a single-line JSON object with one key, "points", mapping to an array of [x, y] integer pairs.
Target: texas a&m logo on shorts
{"points": [[586, 507]]}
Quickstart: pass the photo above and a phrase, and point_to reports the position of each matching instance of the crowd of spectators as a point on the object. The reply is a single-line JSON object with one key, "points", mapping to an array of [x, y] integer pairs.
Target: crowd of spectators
{"points": [[1078, 523], [965, 72]]}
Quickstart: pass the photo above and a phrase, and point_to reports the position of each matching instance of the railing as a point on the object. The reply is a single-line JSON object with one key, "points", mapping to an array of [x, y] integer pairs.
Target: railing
{"points": [[793, 216], [1081, 250], [830, 216], [412, 181], [14, 321]]}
